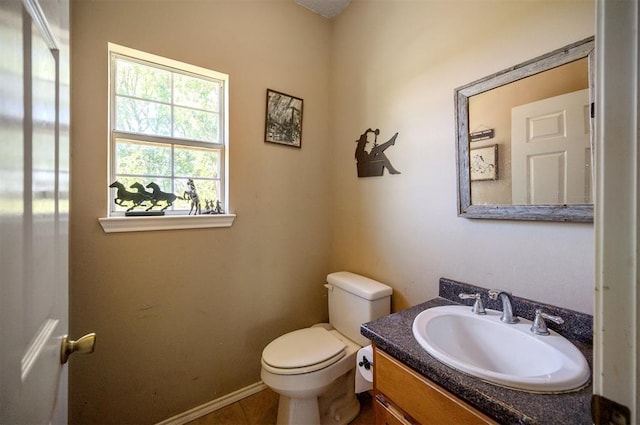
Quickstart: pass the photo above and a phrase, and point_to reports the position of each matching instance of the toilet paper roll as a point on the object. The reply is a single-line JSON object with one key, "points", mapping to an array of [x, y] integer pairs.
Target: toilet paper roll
{"points": [[364, 369]]}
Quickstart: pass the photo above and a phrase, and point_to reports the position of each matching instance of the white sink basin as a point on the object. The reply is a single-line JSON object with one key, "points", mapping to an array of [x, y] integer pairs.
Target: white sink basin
{"points": [[507, 355]]}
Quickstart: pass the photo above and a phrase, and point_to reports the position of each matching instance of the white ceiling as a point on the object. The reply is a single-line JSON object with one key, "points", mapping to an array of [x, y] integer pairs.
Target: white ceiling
{"points": [[326, 8]]}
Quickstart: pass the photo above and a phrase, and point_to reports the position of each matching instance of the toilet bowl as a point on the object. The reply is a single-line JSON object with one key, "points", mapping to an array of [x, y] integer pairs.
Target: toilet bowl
{"points": [[320, 392], [313, 369]]}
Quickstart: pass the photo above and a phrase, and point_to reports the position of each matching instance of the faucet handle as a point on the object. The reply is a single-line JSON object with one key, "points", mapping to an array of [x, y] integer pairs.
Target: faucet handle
{"points": [[478, 306], [539, 325]]}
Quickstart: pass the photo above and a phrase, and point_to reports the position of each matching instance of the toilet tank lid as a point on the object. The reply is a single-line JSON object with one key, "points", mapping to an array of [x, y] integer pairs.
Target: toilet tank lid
{"points": [[359, 285]]}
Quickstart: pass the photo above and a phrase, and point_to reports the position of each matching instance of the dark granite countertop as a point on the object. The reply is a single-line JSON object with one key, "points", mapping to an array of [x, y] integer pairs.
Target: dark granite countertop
{"points": [[394, 335]]}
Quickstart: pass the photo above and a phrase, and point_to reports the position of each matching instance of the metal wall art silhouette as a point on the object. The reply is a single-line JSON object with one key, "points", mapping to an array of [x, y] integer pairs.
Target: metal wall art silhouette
{"points": [[371, 160]]}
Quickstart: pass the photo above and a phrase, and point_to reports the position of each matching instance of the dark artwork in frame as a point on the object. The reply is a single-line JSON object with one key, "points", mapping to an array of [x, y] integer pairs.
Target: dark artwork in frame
{"points": [[283, 122]]}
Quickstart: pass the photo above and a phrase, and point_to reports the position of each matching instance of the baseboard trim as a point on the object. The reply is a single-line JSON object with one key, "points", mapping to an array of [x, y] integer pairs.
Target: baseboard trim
{"points": [[212, 406]]}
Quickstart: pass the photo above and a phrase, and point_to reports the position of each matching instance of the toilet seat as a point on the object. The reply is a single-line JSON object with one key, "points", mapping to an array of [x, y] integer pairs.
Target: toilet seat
{"points": [[302, 351]]}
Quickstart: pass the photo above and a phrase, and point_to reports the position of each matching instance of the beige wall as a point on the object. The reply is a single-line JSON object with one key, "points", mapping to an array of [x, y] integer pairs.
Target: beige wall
{"points": [[395, 67], [182, 316]]}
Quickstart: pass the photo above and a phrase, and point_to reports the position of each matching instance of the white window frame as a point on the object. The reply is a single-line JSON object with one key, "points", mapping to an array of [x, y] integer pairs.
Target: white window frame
{"points": [[115, 222]]}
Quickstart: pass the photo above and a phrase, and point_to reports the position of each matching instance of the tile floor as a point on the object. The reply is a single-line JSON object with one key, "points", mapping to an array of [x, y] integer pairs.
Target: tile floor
{"points": [[262, 409]]}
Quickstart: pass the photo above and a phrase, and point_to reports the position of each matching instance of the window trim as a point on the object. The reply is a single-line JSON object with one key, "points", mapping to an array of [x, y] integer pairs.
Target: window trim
{"points": [[167, 222], [118, 223]]}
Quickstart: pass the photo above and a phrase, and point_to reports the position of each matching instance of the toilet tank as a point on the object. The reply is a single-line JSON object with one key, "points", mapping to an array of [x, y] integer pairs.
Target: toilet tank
{"points": [[354, 300]]}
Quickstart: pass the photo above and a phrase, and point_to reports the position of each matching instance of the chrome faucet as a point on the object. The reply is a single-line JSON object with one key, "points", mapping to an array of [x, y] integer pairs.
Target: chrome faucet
{"points": [[507, 308]]}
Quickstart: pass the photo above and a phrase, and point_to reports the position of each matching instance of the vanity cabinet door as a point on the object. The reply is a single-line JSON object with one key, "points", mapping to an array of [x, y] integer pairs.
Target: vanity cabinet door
{"points": [[403, 389]]}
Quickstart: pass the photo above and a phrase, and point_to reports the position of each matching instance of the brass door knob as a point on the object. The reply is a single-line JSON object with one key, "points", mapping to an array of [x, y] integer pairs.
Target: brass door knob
{"points": [[85, 345]]}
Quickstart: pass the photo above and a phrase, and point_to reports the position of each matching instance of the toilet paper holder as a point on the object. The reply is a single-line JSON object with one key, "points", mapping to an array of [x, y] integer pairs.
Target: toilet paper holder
{"points": [[364, 375], [365, 363]]}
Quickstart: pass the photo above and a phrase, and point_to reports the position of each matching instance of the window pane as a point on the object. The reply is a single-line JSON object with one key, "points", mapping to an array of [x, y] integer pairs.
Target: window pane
{"points": [[145, 82], [142, 159], [163, 184], [195, 125], [139, 116], [196, 92], [194, 162], [210, 190]]}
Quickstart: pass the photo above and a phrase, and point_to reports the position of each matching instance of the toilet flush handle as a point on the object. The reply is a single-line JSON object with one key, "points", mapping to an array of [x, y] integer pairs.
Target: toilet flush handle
{"points": [[329, 287]]}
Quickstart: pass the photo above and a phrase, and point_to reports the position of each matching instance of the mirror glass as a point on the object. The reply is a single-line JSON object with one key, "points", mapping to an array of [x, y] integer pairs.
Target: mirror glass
{"points": [[524, 140]]}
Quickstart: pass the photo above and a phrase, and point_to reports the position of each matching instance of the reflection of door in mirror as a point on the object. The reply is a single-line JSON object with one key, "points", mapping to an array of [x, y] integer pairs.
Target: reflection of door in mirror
{"points": [[492, 110], [551, 151]]}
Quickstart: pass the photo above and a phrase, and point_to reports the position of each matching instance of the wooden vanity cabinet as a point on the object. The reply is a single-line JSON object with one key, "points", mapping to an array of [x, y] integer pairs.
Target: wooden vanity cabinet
{"points": [[404, 397]]}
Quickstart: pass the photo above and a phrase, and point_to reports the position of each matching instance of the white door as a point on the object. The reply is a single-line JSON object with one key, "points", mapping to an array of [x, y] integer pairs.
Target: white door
{"points": [[34, 190], [616, 327], [551, 152]]}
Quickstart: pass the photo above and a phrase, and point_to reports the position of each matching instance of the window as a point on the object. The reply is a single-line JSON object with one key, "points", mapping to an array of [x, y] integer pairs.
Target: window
{"points": [[168, 125]]}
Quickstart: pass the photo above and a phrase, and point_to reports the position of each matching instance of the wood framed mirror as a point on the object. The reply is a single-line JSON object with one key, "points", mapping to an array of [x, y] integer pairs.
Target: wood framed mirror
{"points": [[524, 140]]}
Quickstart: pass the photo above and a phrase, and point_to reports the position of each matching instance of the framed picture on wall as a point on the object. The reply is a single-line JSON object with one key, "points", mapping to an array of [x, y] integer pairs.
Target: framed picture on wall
{"points": [[283, 122], [484, 163]]}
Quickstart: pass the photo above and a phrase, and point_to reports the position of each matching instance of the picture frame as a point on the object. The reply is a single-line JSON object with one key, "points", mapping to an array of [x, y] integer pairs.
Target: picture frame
{"points": [[283, 120], [483, 163]]}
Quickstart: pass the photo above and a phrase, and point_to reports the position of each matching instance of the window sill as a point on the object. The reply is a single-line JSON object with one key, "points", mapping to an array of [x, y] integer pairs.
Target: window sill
{"points": [[169, 222]]}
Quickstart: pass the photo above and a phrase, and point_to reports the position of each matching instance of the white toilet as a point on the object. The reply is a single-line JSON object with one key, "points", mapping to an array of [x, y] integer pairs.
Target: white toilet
{"points": [[313, 369]]}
